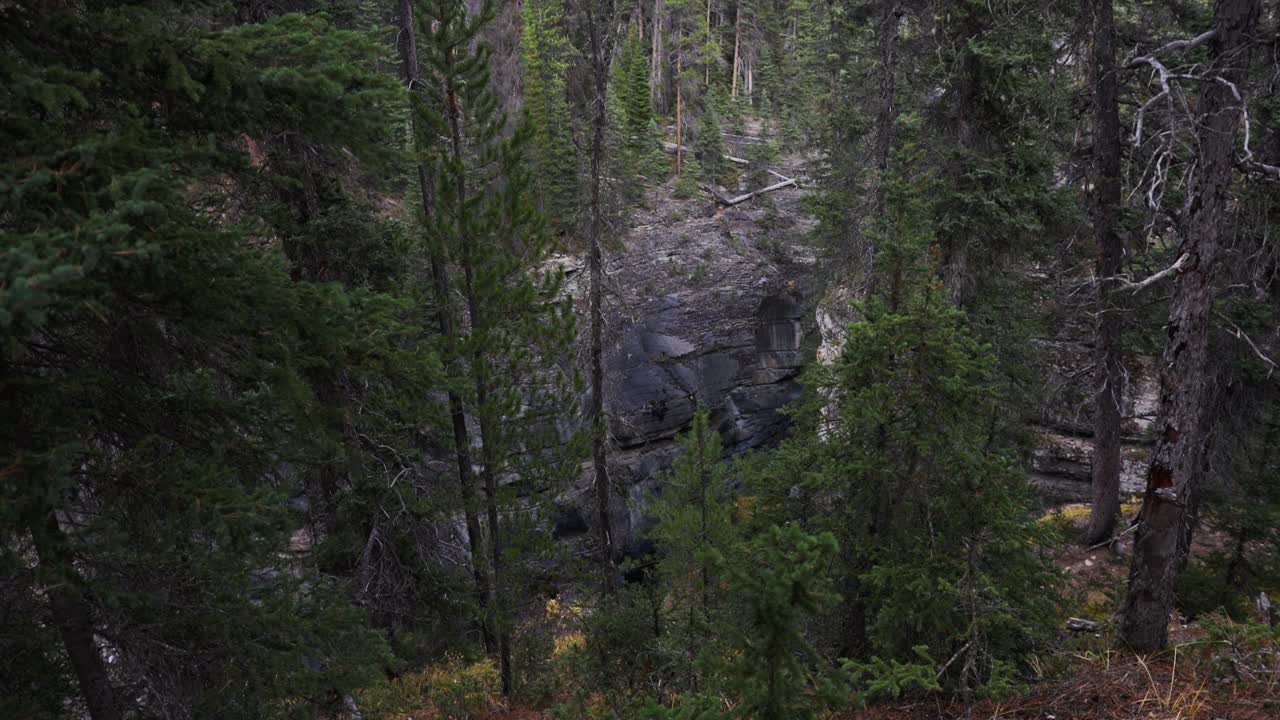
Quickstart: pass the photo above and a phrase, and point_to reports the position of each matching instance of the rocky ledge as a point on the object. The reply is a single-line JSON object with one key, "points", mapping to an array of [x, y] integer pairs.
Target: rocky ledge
{"points": [[705, 306]]}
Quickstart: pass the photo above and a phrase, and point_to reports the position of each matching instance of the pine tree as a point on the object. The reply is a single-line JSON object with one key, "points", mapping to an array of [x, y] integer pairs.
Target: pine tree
{"points": [[710, 146], [895, 455], [486, 223], [156, 355], [782, 581], [545, 50], [694, 534]]}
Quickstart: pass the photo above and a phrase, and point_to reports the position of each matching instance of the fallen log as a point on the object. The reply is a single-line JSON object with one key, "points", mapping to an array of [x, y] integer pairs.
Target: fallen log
{"points": [[1081, 625], [671, 148], [716, 194], [787, 182]]}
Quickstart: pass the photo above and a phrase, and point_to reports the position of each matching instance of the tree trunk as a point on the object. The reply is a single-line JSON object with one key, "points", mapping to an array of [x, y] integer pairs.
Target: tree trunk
{"points": [[1177, 462], [737, 42], [679, 108], [489, 480], [656, 66], [71, 615], [706, 66], [888, 89], [596, 416], [1105, 208], [444, 316]]}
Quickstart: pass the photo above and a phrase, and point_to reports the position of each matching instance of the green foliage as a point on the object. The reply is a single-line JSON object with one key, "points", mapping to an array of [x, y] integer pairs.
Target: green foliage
{"points": [[782, 580], [1245, 651], [687, 183], [895, 454], [642, 153], [545, 52], [710, 145], [159, 361], [694, 533], [879, 680]]}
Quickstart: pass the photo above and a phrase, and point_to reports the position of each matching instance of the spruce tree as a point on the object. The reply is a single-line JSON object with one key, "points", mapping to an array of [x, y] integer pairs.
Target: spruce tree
{"points": [[643, 157], [710, 145], [545, 52], [155, 360], [894, 454], [694, 534]]}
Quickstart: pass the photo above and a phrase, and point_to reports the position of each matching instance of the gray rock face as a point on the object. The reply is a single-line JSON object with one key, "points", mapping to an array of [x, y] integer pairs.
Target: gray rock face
{"points": [[698, 314]]}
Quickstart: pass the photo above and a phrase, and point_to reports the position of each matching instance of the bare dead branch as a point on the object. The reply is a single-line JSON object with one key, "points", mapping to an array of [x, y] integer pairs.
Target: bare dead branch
{"points": [[1174, 46], [1136, 287], [1242, 335]]}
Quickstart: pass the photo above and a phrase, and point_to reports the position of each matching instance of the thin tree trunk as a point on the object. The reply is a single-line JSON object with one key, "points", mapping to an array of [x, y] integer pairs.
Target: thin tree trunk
{"points": [[955, 267], [706, 66], [72, 616], [1105, 207], [444, 316], [737, 41], [1177, 462], [888, 90], [479, 372], [656, 87], [489, 480], [596, 416], [885, 117], [679, 108]]}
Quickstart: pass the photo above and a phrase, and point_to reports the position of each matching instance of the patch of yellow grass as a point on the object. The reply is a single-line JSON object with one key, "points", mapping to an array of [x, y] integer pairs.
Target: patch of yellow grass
{"points": [[570, 642]]}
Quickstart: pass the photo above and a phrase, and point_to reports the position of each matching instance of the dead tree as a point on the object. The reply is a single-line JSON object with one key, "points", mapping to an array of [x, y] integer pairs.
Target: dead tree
{"points": [[1164, 523]]}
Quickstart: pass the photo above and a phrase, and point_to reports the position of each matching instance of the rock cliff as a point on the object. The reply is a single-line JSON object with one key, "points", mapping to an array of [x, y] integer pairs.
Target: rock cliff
{"points": [[705, 306]]}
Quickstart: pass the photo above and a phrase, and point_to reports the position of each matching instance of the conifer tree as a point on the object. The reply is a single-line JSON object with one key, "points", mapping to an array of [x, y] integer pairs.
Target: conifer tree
{"points": [[642, 141], [782, 581], [155, 357], [545, 51], [694, 534], [895, 455], [486, 223], [710, 146]]}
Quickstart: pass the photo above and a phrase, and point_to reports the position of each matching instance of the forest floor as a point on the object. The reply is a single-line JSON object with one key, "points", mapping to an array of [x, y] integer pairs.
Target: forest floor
{"points": [[1090, 677]]}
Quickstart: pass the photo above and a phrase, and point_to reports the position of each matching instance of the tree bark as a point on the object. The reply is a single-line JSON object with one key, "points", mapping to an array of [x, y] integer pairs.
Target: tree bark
{"points": [[679, 108], [444, 316], [737, 42], [1163, 531], [596, 416], [71, 614], [657, 89], [888, 90], [1105, 208]]}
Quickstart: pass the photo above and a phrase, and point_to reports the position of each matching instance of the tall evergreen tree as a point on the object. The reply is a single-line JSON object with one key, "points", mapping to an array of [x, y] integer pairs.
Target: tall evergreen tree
{"points": [[545, 50], [894, 453], [485, 222], [156, 356]]}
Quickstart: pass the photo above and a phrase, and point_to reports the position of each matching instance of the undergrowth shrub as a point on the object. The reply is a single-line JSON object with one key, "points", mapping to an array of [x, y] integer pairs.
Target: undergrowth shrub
{"points": [[455, 689]]}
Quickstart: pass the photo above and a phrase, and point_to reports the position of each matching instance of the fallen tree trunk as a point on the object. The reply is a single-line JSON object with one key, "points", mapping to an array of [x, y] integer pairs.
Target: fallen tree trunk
{"points": [[1081, 625], [672, 148], [786, 182]]}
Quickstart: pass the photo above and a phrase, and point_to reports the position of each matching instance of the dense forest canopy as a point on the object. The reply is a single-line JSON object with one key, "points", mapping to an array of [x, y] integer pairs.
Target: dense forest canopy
{"points": [[672, 359]]}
